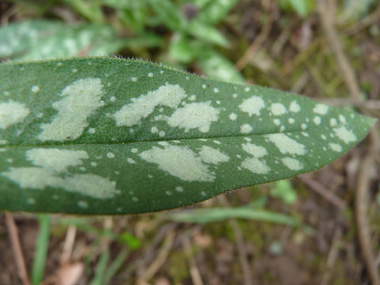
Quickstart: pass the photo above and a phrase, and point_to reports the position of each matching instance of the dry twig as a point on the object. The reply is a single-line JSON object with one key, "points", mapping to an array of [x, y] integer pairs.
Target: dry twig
{"points": [[160, 260], [365, 23], [16, 247], [256, 44], [240, 246], [8, 14], [322, 191], [69, 244], [332, 256], [194, 271], [361, 203], [326, 9]]}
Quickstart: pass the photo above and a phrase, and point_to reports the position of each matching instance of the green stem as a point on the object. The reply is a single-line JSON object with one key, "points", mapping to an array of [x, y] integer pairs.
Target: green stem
{"points": [[42, 245]]}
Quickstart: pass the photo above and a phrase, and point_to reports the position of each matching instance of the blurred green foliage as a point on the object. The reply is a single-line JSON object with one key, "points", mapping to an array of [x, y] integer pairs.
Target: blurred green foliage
{"points": [[187, 30], [301, 7], [355, 10], [284, 190]]}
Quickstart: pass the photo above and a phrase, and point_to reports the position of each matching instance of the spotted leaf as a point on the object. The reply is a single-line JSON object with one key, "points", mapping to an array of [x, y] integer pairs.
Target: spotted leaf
{"points": [[41, 39], [113, 136]]}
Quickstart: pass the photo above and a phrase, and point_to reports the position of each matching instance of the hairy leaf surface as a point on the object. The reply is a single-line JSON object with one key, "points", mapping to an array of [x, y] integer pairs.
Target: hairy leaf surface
{"points": [[113, 136]]}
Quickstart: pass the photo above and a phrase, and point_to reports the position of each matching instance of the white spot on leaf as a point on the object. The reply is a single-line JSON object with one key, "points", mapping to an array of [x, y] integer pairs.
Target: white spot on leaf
{"points": [[246, 129], [131, 160], [83, 204], [321, 109], [254, 150], [35, 89], [80, 100], [233, 116], [91, 185], [286, 145], [57, 160], [252, 106], [335, 147], [345, 135], [131, 114], [212, 155], [180, 162], [291, 163], [294, 107], [255, 166], [54, 162], [12, 113], [33, 177], [278, 109], [110, 155], [194, 116]]}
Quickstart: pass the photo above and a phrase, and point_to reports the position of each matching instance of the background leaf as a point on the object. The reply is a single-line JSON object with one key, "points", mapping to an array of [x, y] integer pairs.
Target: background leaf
{"points": [[108, 136], [52, 39], [168, 13], [218, 214], [216, 66], [207, 33], [214, 11]]}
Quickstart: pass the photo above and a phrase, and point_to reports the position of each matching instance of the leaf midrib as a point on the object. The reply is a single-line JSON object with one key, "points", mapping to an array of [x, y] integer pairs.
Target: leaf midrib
{"points": [[163, 139]]}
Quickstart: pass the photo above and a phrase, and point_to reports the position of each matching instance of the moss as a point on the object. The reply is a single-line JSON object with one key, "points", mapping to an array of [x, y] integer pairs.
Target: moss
{"points": [[220, 229], [177, 267]]}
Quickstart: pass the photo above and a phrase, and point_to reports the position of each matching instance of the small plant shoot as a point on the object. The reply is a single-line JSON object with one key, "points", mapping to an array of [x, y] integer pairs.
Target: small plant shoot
{"points": [[114, 136]]}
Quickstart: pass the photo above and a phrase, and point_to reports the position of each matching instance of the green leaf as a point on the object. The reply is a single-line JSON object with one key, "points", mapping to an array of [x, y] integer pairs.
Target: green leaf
{"points": [[181, 49], [92, 10], [218, 214], [214, 11], [42, 246], [115, 266], [101, 268], [354, 10], [168, 14], [133, 14], [284, 190], [18, 37], [108, 136], [301, 7], [130, 240], [216, 66], [206, 33], [52, 39]]}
